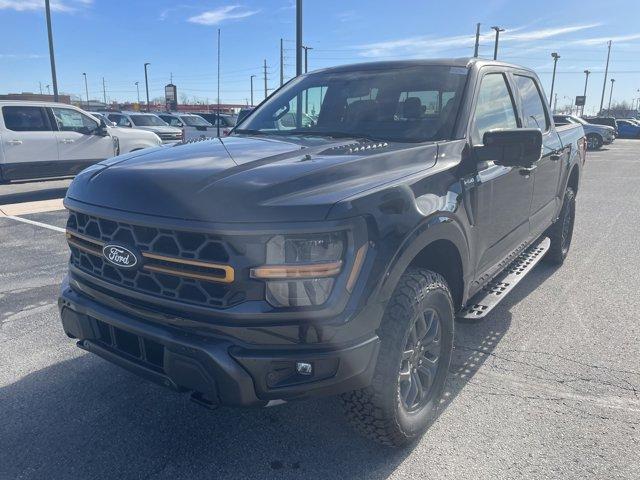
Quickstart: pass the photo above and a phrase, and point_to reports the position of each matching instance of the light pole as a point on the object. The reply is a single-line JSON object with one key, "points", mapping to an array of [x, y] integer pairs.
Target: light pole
{"points": [[613, 80], [495, 47], [146, 83], [606, 71], [138, 90], [586, 80], [477, 44], [555, 103], [252, 77], [54, 80], [298, 37], [86, 88], [553, 77]]}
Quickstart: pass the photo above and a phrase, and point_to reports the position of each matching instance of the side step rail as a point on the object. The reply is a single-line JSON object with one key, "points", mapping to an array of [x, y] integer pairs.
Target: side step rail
{"points": [[492, 293]]}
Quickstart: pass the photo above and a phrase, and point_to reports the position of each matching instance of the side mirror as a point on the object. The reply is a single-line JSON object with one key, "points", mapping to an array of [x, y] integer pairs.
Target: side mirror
{"points": [[102, 129], [518, 147]]}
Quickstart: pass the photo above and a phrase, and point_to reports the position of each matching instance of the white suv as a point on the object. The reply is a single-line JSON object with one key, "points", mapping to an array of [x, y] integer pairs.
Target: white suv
{"points": [[44, 139], [149, 122], [194, 126]]}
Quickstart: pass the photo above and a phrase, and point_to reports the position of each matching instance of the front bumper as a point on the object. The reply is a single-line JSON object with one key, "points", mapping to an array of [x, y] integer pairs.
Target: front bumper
{"points": [[216, 368]]}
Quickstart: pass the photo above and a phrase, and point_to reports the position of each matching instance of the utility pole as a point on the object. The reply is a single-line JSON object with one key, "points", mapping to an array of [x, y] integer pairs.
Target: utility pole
{"points": [[495, 47], [54, 80], [86, 88], [265, 78], [298, 37], [252, 77], [586, 80], [306, 58], [138, 90], [40, 84], [613, 80], [477, 45], [218, 102], [48, 89], [281, 62], [553, 77], [146, 83], [104, 92], [606, 71]]}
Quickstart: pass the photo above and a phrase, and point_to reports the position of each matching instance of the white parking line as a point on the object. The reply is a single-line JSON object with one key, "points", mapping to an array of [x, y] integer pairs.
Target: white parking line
{"points": [[37, 224]]}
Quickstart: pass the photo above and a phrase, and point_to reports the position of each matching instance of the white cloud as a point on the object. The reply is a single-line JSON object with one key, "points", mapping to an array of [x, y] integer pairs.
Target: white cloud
{"points": [[219, 15], [20, 56], [423, 45], [603, 40], [68, 6]]}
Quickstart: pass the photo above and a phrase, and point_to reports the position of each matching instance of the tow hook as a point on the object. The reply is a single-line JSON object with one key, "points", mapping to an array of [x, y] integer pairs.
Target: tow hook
{"points": [[203, 401]]}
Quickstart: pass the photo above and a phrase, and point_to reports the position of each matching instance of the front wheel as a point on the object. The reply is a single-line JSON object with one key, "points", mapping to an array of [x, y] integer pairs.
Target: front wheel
{"points": [[594, 141], [416, 345]]}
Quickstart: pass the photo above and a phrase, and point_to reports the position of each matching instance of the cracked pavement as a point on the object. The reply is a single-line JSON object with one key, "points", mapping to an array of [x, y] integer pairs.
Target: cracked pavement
{"points": [[547, 386]]}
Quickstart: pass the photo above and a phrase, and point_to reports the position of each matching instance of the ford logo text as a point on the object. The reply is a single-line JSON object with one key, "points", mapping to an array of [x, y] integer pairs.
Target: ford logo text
{"points": [[119, 256]]}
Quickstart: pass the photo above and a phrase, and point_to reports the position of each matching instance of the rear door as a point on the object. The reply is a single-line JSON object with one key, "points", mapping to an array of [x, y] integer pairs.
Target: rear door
{"points": [[503, 194], [28, 142], [546, 173], [79, 144]]}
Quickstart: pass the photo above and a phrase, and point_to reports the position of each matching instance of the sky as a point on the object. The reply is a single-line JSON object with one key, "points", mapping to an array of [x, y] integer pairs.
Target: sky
{"points": [[112, 39]]}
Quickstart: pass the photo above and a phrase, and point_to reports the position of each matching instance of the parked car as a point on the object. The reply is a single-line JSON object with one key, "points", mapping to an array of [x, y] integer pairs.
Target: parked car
{"points": [[227, 122], [597, 135], [628, 128], [102, 116], [149, 122], [278, 265], [193, 126], [45, 139], [244, 113], [608, 121]]}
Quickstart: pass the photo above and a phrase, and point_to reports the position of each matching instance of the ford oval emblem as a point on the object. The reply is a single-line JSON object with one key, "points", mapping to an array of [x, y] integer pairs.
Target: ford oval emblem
{"points": [[119, 256]]}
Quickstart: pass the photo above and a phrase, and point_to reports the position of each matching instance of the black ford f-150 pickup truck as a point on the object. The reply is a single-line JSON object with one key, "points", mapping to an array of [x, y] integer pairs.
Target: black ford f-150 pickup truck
{"points": [[328, 244]]}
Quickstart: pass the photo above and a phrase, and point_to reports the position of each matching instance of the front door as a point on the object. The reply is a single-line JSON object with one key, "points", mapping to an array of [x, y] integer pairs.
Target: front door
{"points": [[79, 145], [502, 194], [546, 174], [28, 142]]}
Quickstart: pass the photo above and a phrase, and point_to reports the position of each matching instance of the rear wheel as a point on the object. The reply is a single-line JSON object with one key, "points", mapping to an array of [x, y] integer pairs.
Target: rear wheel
{"points": [[416, 344], [561, 232], [594, 141]]}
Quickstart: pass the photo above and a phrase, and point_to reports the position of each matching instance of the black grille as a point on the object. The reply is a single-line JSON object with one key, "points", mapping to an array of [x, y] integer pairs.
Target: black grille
{"points": [[87, 233], [141, 349]]}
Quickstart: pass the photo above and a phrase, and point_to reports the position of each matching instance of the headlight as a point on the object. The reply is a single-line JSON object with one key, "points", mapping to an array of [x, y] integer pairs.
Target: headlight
{"points": [[301, 269]]}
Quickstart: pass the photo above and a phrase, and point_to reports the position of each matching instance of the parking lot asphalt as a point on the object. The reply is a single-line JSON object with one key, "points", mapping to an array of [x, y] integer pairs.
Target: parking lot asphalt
{"points": [[547, 386]]}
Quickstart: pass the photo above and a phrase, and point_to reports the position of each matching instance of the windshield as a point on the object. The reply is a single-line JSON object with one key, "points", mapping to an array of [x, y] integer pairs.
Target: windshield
{"points": [[578, 120], [406, 104], [195, 121], [147, 121]]}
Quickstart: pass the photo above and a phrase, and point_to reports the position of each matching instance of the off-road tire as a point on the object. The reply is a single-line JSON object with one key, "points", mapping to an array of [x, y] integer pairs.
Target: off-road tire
{"points": [[561, 232], [594, 141], [377, 410]]}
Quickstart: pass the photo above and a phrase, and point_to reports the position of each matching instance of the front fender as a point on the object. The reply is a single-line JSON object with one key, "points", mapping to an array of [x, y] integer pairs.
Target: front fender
{"points": [[440, 226]]}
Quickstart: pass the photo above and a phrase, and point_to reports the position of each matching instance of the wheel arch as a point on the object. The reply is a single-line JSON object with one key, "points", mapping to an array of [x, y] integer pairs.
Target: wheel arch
{"points": [[574, 178], [439, 245]]}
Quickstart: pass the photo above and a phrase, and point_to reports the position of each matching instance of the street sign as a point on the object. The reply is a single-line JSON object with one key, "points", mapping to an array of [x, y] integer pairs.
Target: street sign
{"points": [[171, 96], [580, 100]]}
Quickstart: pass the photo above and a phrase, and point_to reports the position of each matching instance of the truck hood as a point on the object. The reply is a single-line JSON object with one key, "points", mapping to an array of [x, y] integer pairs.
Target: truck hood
{"points": [[247, 179], [159, 129]]}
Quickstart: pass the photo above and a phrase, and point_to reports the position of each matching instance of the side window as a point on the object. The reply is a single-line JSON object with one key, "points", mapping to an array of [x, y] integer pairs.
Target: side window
{"points": [[494, 108], [74, 121], [533, 111], [120, 120], [26, 119]]}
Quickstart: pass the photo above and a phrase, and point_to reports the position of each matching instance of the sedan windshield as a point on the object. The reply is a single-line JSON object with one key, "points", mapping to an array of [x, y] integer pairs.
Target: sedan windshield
{"points": [[195, 121], [405, 104], [147, 121]]}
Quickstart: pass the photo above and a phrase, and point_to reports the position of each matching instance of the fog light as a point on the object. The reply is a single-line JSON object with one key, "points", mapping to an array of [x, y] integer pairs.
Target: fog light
{"points": [[304, 368]]}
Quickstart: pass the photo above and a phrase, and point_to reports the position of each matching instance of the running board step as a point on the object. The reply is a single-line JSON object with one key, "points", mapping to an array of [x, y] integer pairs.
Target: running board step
{"points": [[493, 292]]}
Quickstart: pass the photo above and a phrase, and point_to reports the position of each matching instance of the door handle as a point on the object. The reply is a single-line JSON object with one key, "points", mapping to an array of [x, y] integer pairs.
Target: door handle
{"points": [[67, 140], [526, 172], [14, 142]]}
